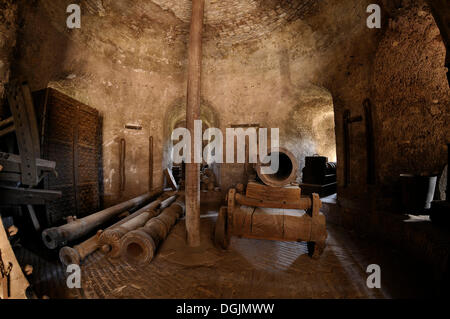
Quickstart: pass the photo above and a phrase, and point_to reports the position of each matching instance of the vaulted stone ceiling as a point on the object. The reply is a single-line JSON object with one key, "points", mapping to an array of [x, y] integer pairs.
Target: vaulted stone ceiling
{"points": [[226, 21]]}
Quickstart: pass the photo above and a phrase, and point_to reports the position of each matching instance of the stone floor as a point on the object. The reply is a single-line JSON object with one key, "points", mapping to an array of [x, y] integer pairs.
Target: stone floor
{"points": [[249, 269]]}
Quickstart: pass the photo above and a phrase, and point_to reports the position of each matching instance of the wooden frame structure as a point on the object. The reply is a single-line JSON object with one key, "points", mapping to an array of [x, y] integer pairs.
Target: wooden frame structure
{"points": [[298, 220]]}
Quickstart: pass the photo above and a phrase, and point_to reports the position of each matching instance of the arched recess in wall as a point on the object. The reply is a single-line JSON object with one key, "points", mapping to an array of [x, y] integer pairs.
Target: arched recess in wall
{"points": [[309, 127], [176, 117]]}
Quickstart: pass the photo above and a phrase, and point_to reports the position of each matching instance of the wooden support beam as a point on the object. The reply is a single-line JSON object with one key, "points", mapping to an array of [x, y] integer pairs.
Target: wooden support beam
{"points": [[192, 114], [122, 157], [7, 130], [150, 164], [348, 120], [8, 121]]}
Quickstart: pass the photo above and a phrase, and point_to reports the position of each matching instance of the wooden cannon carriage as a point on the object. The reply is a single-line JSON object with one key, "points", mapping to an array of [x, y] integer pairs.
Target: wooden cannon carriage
{"points": [[260, 215], [273, 211]]}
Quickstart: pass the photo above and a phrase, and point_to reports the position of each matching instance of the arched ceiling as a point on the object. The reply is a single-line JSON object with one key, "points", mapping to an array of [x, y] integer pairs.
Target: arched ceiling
{"points": [[226, 21], [241, 20]]}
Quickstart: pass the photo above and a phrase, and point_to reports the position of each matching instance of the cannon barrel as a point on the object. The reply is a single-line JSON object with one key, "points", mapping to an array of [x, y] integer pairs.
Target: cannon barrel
{"points": [[74, 256], [109, 240], [287, 170], [54, 237], [78, 253], [139, 246]]}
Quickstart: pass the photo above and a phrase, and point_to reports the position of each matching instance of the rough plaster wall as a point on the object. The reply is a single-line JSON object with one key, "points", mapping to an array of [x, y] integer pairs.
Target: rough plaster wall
{"points": [[135, 73], [289, 77], [268, 82], [330, 49], [8, 26], [441, 13], [343, 66], [124, 87], [411, 97]]}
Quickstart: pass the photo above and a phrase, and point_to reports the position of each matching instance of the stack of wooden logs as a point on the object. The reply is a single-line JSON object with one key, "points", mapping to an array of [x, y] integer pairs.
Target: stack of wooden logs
{"points": [[167, 209]]}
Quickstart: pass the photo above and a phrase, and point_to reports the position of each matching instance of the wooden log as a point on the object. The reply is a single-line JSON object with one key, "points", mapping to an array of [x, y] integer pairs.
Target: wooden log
{"points": [[297, 225], [247, 218], [264, 192], [193, 114], [267, 223], [302, 203]]}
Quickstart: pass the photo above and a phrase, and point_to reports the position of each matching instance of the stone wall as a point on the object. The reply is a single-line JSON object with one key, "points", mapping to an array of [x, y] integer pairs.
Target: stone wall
{"points": [[411, 97], [8, 26], [135, 73], [299, 74]]}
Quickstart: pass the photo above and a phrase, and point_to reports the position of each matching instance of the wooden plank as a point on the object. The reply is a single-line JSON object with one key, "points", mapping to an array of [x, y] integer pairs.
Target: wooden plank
{"points": [[150, 163], [18, 284], [12, 163], [242, 220], [264, 192], [7, 130], [26, 131], [8, 121], [27, 196], [32, 120], [194, 74], [170, 179]]}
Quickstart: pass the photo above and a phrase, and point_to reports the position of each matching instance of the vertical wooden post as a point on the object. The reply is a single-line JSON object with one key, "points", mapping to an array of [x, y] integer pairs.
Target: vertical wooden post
{"points": [[370, 142], [150, 164], [122, 172], [192, 114]]}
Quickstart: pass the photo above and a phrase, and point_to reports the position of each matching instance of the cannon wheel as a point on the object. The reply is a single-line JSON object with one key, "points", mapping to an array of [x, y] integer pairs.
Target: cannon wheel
{"points": [[221, 238]]}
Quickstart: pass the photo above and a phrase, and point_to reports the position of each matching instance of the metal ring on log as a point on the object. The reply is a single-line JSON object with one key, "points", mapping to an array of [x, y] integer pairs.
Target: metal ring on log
{"points": [[287, 170]]}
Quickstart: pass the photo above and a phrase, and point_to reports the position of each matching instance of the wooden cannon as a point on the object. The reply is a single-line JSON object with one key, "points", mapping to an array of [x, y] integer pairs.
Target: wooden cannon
{"points": [[273, 213]]}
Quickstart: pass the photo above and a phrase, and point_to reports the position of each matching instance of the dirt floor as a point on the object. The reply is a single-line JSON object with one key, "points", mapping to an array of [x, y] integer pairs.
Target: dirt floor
{"points": [[249, 269]]}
